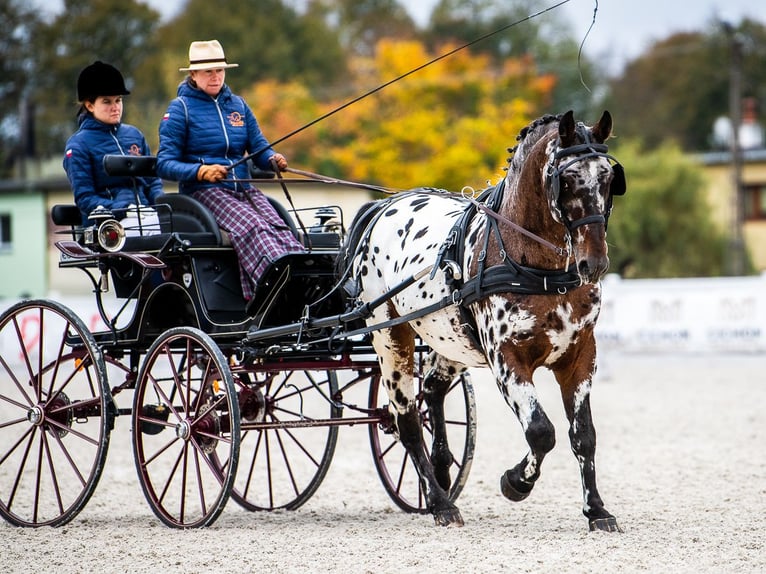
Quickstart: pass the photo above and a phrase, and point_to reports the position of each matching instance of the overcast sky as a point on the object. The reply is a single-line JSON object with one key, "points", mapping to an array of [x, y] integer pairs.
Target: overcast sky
{"points": [[623, 28]]}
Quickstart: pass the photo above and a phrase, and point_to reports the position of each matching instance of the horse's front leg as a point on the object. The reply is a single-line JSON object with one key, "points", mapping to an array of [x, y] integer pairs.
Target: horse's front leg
{"points": [[520, 394], [395, 349], [575, 379]]}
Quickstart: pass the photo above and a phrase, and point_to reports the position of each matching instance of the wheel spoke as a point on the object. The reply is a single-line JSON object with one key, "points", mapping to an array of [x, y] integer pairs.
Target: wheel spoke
{"points": [[285, 464], [180, 474], [395, 468]]}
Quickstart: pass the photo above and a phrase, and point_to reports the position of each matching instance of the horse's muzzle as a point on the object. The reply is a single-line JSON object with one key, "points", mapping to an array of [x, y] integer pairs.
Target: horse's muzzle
{"points": [[592, 269]]}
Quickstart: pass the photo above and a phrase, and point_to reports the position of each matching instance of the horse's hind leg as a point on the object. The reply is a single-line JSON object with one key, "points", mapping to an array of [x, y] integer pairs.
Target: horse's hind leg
{"points": [[395, 349], [575, 384], [440, 375]]}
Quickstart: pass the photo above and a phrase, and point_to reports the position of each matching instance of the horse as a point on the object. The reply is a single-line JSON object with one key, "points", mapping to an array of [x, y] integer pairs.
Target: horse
{"points": [[508, 281]]}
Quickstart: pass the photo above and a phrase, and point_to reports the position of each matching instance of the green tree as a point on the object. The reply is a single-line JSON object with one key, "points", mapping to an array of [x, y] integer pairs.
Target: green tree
{"points": [[663, 226], [119, 32], [361, 24], [677, 88], [20, 22], [267, 38]]}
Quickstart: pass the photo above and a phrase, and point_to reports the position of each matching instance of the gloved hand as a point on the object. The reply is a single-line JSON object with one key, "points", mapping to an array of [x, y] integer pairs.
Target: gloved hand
{"points": [[211, 173], [280, 160]]}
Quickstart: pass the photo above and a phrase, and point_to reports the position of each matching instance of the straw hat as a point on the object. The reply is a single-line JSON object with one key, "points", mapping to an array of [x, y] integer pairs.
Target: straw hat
{"points": [[206, 55]]}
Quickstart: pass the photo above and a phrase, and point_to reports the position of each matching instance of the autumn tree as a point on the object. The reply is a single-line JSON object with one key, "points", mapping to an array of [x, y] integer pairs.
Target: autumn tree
{"points": [[284, 108], [448, 125], [546, 39]]}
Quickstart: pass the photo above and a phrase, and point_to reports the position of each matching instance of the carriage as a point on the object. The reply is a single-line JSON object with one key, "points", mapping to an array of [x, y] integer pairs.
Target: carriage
{"points": [[230, 399], [244, 400]]}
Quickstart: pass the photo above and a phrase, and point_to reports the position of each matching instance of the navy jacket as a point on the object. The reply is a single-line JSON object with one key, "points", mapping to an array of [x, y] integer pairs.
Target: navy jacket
{"points": [[83, 162], [198, 129]]}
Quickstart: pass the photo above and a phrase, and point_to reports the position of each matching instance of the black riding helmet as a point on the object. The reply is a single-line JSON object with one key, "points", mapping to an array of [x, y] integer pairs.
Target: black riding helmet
{"points": [[100, 79]]}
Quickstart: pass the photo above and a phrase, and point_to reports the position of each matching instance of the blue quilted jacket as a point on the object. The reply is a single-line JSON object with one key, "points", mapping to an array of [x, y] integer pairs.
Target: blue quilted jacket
{"points": [[198, 129], [83, 163]]}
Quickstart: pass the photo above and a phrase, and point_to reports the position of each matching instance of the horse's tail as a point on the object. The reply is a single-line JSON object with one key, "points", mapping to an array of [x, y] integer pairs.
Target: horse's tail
{"points": [[356, 234]]}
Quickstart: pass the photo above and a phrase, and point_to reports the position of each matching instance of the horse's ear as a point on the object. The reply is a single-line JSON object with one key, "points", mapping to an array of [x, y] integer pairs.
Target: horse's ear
{"points": [[567, 130], [603, 129]]}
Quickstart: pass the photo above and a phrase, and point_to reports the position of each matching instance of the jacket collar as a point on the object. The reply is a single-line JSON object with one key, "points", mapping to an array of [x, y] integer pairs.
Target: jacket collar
{"points": [[186, 89], [88, 122]]}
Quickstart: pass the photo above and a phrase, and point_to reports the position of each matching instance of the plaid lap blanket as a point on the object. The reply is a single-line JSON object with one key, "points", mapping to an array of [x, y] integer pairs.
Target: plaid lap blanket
{"points": [[258, 234]]}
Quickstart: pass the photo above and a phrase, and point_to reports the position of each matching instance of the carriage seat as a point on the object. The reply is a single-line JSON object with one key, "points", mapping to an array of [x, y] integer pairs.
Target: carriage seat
{"points": [[177, 213]]}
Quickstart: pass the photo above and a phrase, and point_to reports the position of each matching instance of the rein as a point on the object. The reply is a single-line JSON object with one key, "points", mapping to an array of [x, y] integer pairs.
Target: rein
{"points": [[495, 215]]}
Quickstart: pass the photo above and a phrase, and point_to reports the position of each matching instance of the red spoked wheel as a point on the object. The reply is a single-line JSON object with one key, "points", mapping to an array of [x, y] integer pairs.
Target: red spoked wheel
{"points": [[56, 413], [185, 418], [288, 437], [394, 466]]}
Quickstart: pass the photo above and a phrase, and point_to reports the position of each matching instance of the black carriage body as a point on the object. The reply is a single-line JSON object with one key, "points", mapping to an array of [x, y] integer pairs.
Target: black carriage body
{"points": [[192, 278]]}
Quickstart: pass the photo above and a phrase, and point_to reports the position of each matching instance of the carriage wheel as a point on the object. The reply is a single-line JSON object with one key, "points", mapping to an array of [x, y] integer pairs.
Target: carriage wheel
{"points": [[396, 470], [185, 416], [288, 441], [56, 413]]}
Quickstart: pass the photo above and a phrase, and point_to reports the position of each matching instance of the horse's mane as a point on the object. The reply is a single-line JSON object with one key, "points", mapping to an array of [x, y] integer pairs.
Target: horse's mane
{"points": [[529, 136]]}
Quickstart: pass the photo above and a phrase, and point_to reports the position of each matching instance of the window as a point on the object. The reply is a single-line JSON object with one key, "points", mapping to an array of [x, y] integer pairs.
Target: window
{"points": [[5, 232], [755, 201]]}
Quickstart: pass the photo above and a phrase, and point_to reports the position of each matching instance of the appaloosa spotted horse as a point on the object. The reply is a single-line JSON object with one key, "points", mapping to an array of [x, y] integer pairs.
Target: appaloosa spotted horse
{"points": [[509, 282]]}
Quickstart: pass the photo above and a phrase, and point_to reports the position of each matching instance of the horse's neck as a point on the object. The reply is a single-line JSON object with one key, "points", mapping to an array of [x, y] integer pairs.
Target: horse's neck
{"points": [[526, 204]]}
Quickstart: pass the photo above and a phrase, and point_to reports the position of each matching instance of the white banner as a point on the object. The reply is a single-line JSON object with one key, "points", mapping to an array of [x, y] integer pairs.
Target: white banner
{"points": [[676, 315]]}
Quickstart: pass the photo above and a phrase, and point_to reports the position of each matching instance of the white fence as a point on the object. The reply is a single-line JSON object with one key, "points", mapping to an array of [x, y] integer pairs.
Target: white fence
{"points": [[638, 315]]}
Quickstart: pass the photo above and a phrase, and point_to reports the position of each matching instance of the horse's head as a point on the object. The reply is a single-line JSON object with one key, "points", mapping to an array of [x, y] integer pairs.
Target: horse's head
{"points": [[580, 182]]}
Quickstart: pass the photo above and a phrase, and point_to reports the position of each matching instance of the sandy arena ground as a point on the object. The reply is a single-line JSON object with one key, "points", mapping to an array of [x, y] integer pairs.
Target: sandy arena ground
{"points": [[681, 460]]}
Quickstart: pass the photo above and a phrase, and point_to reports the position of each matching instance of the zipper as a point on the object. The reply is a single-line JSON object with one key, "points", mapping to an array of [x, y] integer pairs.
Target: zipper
{"points": [[226, 137]]}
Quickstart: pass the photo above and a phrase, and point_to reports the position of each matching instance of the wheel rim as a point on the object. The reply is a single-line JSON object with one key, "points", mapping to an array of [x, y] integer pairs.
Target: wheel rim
{"points": [[282, 465], [393, 464], [185, 416], [55, 414]]}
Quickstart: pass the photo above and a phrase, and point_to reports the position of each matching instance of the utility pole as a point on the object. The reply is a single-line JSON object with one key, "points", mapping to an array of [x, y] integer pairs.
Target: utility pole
{"points": [[736, 262]]}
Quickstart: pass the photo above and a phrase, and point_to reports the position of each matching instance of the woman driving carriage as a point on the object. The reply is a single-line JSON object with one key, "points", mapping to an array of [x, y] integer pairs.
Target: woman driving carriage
{"points": [[100, 88], [205, 133]]}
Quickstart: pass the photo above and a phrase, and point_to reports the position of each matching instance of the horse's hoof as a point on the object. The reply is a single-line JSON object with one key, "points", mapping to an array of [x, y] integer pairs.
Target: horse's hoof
{"points": [[448, 517], [608, 524], [510, 491]]}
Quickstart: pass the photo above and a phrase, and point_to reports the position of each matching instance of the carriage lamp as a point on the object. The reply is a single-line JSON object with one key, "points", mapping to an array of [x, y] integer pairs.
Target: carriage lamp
{"points": [[106, 232], [111, 235]]}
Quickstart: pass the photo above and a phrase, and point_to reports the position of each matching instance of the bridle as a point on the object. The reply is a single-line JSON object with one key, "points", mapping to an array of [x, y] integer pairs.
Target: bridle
{"points": [[554, 169], [583, 151]]}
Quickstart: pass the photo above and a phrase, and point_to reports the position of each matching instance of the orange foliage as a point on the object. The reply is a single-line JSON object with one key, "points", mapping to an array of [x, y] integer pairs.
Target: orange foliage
{"points": [[448, 125]]}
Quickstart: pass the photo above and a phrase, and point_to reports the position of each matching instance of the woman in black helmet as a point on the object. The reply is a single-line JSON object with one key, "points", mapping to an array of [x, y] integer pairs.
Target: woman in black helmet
{"points": [[100, 88]]}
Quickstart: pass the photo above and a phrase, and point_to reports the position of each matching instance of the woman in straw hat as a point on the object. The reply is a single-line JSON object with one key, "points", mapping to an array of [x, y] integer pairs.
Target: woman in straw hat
{"points": [[100, 88], [205, 132]]}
